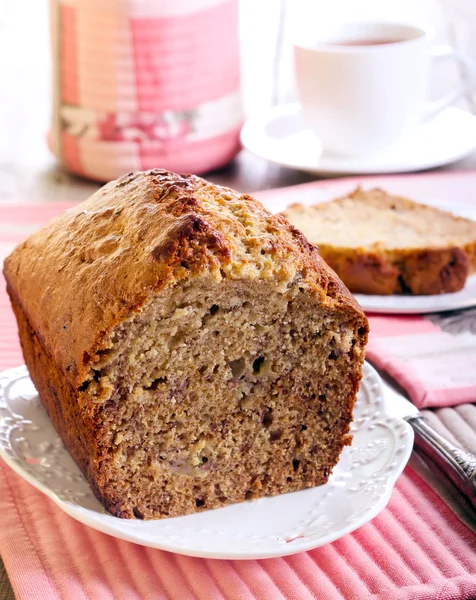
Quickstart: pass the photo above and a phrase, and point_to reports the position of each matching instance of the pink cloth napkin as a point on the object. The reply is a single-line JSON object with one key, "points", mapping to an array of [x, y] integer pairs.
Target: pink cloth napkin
{"points": [[433, 358], [415, 549]]}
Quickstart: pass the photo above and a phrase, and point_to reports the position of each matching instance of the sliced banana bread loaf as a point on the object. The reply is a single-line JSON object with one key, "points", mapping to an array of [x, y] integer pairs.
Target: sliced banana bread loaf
{"points": [[192, 349], [383, 244]]}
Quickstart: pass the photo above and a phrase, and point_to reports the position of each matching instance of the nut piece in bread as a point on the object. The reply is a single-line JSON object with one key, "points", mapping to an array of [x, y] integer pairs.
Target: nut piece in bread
{"points": [[191, 349], [383, 244]]}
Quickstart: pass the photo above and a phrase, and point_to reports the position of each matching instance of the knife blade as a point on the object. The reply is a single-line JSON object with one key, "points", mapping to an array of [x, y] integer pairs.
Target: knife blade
{"points": [[458, 465]]}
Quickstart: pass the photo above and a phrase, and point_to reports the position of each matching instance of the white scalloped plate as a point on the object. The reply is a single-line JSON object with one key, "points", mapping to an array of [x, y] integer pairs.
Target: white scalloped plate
{"points": [[357, 491]]}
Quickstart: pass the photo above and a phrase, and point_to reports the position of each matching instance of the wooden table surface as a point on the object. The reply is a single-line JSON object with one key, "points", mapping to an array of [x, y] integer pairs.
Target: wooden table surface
{"points": [[29, 173]]}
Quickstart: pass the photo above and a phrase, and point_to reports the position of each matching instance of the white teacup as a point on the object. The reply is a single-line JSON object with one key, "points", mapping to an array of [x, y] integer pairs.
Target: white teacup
{"points": [[362, 86]]}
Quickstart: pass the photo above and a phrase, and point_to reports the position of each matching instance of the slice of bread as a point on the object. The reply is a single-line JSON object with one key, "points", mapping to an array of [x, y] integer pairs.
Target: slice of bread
{"points": [[383, 244]]}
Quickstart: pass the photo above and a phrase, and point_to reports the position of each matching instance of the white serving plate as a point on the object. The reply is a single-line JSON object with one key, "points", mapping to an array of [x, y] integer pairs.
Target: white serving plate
{"points": [[357, 491], [408, 305]]}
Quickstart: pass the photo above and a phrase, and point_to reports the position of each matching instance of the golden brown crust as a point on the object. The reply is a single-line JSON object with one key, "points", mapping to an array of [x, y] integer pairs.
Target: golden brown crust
{"points": [[433, 271], [438, 263], [98, 263]]}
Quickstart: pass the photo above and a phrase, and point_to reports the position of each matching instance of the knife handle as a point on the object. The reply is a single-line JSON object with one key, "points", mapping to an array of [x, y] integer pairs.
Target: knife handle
{"points": [[457, 464]]}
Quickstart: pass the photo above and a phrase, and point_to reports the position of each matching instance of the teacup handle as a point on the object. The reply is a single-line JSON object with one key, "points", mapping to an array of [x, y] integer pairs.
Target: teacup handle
{"points": [[468, 83]]}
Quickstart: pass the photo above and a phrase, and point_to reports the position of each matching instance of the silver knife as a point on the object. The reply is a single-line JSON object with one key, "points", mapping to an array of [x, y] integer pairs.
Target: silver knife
{"points": [[455, 463]]}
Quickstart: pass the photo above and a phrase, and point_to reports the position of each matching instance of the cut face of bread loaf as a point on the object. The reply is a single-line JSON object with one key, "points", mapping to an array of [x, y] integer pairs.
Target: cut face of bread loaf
{"points": [[383, 244], [191, 349]]}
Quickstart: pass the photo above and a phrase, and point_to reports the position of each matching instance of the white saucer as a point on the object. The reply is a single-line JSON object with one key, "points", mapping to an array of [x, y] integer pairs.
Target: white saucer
{"points": [[281, 137]]}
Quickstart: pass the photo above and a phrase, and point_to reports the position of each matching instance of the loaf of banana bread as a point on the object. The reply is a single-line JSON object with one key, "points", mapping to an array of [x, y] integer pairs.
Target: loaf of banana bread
{"points": [[191, 349], [378, 243]]}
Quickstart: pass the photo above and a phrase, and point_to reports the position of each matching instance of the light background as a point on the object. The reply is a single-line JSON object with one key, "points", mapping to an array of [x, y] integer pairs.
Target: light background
{"points": [[25, 82]]}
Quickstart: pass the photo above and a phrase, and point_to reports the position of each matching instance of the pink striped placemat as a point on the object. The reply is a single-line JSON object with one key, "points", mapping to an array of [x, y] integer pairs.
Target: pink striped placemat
{"points": [[415, 549]]}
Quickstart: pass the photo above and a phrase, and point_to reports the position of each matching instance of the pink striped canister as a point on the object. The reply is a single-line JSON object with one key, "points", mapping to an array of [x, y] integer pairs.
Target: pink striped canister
{"points": [[140, 84]]}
